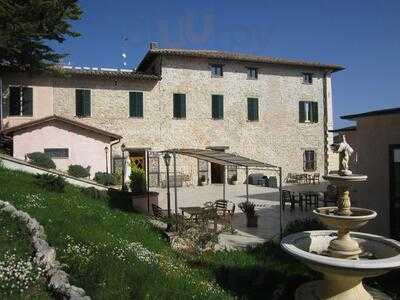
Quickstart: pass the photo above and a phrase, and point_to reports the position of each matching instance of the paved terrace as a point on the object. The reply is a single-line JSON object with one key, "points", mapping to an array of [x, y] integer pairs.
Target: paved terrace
{"points": [[267, 206]]}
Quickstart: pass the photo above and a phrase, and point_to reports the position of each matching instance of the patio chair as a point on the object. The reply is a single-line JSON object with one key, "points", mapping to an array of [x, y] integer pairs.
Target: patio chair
{"points": [[331, 195], [158, 212], [287, 196]]}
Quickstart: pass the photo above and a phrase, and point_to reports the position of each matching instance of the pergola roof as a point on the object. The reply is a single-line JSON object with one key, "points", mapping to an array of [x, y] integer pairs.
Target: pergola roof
{"points": [[222, 158]]}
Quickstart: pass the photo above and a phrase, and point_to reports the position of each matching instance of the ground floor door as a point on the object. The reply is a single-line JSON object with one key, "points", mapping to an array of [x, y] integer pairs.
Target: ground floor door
{"points": [[394, 161], [217, 173]]}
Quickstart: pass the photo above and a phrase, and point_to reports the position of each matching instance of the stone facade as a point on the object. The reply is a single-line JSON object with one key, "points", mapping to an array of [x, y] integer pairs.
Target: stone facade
{"points": [[277, 138]]}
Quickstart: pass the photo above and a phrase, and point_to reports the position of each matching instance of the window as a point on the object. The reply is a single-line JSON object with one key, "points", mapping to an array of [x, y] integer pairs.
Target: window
{"points": [[309, 160], [252, 73], [21, 101], [82, 101], [217, 107], [57, 152], [308, 112], [136, 104], [307, 78], [179, 106], [216, 71], [252, 109]]}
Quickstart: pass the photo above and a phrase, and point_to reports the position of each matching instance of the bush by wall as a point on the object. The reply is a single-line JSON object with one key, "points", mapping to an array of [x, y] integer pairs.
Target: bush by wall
{"points": [[79, 171], [95, 193], [51, 182], [41, 160], [104, 178], [138, 180]]}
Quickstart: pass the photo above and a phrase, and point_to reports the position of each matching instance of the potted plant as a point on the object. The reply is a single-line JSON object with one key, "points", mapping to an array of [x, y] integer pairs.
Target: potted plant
{"points": [[249, 209], [234, 179], [203, 180]]}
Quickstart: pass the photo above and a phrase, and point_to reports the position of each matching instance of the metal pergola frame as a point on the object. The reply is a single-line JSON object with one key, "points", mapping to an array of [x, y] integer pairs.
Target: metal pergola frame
{"points": [[225, 159]]}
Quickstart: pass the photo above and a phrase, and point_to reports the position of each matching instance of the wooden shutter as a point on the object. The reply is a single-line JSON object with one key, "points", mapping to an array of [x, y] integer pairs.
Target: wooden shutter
{"points": [[86, 103], [136, 104], [314, 109], [179, 106], [217, 106], [79, 103], [27, 101], [252, 109], [302, 113], [15, 101]]}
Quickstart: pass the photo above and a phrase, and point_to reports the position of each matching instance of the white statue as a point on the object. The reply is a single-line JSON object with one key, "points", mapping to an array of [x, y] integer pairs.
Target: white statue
{"points": [[127, 172], [345, 151]]}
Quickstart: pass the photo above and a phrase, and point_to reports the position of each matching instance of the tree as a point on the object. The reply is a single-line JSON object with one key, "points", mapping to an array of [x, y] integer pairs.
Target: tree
{"points": [[26, 27]]}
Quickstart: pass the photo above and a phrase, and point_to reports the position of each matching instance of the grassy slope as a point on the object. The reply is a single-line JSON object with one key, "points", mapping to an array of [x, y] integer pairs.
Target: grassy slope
{"points": [[111, 254], [19, 277]]}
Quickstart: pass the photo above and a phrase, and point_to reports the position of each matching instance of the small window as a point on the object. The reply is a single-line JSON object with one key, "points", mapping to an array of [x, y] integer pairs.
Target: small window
{"points": [[179, 106], [82, 102], [136, 104], [217, 71], [308, 112], [217, 107], [309, 161], [252, 73], [307, 78], [21, 101], [57, 152], [252, 109]]}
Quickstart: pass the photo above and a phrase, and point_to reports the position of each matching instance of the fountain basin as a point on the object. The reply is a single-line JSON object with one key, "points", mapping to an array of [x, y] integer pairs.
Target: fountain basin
{"points": [[342, 277], [358, 218]]}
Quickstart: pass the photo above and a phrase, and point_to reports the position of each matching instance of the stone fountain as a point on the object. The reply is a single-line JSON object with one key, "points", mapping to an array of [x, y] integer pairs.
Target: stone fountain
{"points": [[342, 256]]}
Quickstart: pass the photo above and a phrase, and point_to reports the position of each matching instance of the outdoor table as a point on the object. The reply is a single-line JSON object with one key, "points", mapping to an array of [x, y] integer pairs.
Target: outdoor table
{"points": [[309, 197]]}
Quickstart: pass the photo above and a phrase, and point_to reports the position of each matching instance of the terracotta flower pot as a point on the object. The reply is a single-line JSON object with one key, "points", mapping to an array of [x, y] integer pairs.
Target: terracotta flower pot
{"points": [[252, 221]]}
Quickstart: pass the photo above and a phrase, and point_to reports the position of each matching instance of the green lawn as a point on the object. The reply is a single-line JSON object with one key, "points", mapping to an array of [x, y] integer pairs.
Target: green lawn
{"points": [[20, 278], [119, 255]]}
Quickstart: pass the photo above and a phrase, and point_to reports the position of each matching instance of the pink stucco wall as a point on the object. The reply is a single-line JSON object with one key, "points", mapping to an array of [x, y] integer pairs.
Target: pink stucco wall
{"points": [[85, 147]]}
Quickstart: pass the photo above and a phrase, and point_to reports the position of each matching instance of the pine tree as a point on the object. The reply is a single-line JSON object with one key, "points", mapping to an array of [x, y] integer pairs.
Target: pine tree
{"points": [[27, 27]]}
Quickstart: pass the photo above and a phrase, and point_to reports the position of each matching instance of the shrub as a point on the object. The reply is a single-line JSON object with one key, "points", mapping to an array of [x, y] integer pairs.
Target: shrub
{"points": [[234, 177], [95, 193], [79, 171], [51, 182], [248, 208], [118, 177], [138, 180], [41, 160], [303, 225], [104, 178]]}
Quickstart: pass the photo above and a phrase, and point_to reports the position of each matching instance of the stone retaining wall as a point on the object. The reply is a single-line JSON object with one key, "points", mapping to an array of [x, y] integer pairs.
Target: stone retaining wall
{"points": [[45, 256]]}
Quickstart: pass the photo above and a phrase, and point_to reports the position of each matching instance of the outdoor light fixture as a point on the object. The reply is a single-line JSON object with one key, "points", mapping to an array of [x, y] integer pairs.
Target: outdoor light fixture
{"points": [[167, 160], [123, 166], [106, 150]]}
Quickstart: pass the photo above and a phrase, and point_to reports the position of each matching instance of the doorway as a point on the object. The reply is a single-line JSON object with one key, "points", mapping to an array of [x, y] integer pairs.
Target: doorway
{"points": [[394, 167], [217, 173]]}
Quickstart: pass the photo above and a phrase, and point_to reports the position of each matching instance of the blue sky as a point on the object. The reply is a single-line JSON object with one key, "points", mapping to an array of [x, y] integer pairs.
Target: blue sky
{"points": [[363, 35]]}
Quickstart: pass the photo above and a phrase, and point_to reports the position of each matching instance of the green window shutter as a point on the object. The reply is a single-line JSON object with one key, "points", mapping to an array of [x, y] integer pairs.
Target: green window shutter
{"points": [[86, 103], [79, 103], [302, 112], [217, 106], [136, 104], [179, 106], [27, 101], [15, 101], [314, 109], [252, 109]]}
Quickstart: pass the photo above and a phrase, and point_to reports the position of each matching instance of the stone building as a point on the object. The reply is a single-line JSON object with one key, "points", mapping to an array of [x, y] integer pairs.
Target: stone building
{"points": [[272, 110], [376, 141]]}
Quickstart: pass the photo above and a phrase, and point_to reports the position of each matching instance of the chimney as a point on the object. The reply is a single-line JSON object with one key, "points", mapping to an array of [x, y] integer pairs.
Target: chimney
{"points": [[153, 45]]}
